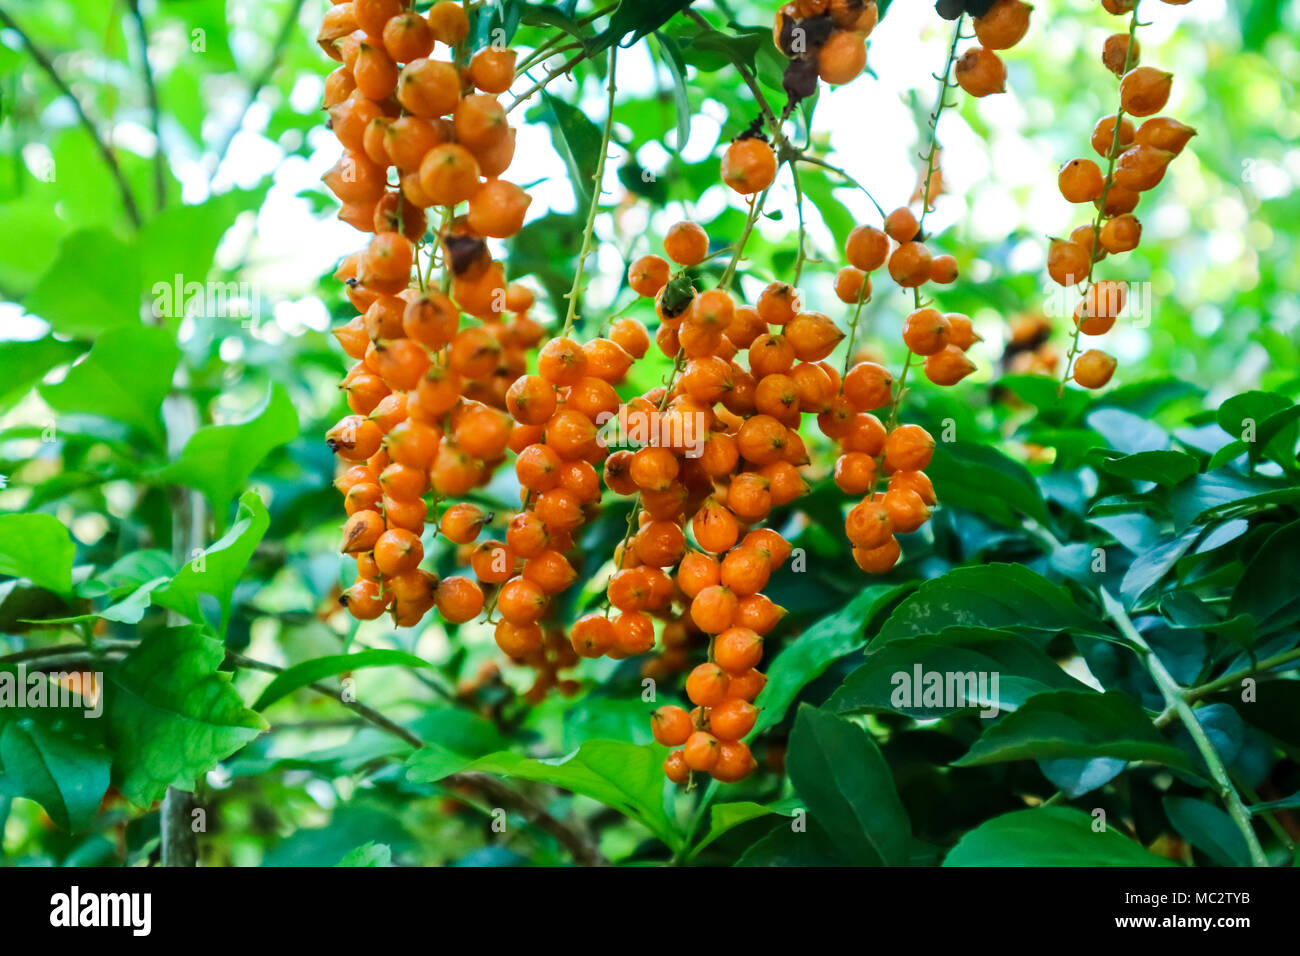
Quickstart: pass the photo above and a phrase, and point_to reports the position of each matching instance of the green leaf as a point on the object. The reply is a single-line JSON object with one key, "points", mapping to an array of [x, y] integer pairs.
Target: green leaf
{"points": [[1225, 493], [308, 672], [634, 19], [993, 595], [92, 285], [178, 245], [577, 140], [218, 569], [681, 102], [37, 547], [1048, 836], [784, 846], [820, 645], [172, 715], [724, 817], [1126, 432], [1209, 829], [1068, 723], [64, 769], [369, 854], [622, 776], [1021, 670], [125, 377], [982, 480], [1167, 468], [840, 774], [218, 459], [23, 364], [1266, 591], [454, 739]]}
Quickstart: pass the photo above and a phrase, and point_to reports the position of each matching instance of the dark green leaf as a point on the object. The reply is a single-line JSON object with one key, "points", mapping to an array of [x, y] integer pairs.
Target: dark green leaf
{"points": [[1048, 836]]}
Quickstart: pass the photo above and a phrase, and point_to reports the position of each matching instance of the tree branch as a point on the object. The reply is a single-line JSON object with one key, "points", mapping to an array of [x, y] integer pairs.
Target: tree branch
{"points": [[43, 61], [151, 88]]}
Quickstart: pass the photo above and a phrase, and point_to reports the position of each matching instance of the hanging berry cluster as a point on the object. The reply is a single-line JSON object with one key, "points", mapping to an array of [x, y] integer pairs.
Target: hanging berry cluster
{"points": [[427, 393], [1136, 160]]}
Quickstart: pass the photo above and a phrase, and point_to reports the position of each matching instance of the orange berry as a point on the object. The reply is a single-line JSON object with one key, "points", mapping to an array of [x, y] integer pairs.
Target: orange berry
{"points": [[1144, 90], [361, 531], [842, 57], [1121, 234], [675, 767], [980, 71], [867, 248], [865, 434], [449, 174], [758, 613], [671, 725], [712, 610], [1116, 56], [686, 243], [1004, 24], [354, 438], [1067, 262], [909, 265], [492, 69], [1094, 368], [908, 448], [948, 366], [961, 332], [365, 600], [735, 762], [458, 599], [520, 601], [1103, 135], [696, 572], [878, 560], [1080, 180], [749, 166], [449, 22], [943, 269], [926, 331], [907, 511], [737, 650], [462, 523], [868, 385], [398, 550], [714, 527], [778, 303], [855, 473], [852, 284], [649, 274], [744, 571], [812, 336], [707, 684], [592, 635], [701, 751], [562, 361], [901, 225], [428, 88], [746, 686], [1164, 133], [730, 720], [916, 481], [634, 633], [550, 571]]}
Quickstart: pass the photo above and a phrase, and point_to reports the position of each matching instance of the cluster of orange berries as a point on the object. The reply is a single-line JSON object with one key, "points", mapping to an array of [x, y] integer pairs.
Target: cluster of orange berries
{"points": [[427, 395], [979, 70], [867, 449], [824, 39], [1137, 159]]}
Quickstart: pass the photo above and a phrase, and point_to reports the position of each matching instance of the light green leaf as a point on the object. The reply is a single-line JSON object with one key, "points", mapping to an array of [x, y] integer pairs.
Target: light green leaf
{"points": [[369, 854], [300, 675], [218, 459], [23, 364], [724, 817], [218, 569], [37, 547], [125, 377], [92, 285]]}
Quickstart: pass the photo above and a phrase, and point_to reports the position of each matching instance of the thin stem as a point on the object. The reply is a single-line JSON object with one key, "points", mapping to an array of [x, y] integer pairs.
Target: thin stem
{"points": [[755, 208], [803, 157], [128, 199], [1101, 204], [545, 81], [802, 256], [1173, 695], [853, 328], [151, 89], [597, 180], [940, 102]]}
